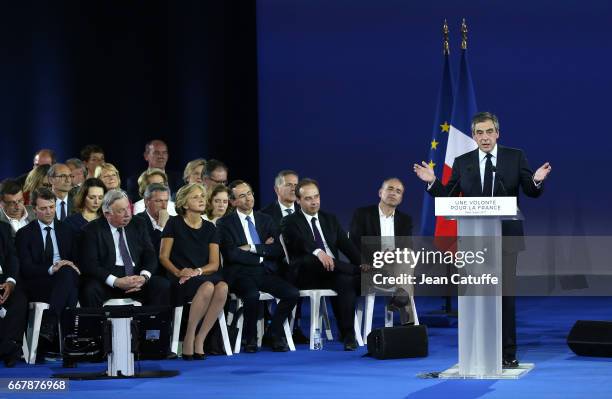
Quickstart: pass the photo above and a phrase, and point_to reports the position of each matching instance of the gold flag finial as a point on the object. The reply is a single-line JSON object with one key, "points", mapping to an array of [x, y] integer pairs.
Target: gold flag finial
{"points": [[445, 34], [464, 32]]}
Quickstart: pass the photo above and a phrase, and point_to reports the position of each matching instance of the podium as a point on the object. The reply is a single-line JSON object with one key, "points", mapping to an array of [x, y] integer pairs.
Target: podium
{"points": [[479, 225]]}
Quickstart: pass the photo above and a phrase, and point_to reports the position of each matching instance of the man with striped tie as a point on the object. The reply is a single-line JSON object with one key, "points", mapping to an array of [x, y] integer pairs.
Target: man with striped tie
{"points": [[61, 183]]}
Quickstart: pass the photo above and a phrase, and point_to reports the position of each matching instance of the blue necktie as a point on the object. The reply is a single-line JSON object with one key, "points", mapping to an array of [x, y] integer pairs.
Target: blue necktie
{"points": [[253, 231], [125, 255]]}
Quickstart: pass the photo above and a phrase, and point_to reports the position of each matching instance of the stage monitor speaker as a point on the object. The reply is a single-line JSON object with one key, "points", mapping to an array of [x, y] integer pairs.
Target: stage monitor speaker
{"points": [[591, 338], [398, 342]]}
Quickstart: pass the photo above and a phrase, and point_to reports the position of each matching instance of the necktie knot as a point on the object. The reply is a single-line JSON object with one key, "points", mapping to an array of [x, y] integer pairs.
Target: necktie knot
{"points": [[48, 229], [489, 155], [289, 211]]}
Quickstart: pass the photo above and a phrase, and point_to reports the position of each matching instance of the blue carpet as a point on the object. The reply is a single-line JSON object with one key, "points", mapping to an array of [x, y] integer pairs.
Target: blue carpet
{"points": [[543, 326]]}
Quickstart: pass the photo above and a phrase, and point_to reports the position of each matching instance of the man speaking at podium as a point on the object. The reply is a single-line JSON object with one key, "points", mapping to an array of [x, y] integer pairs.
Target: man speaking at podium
{"points": [[492, 170]]}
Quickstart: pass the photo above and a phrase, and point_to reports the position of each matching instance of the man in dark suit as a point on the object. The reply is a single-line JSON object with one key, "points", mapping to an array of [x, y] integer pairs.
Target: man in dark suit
{"points": [[155, 215], [43, 156], [13, 302], [386, 221], [118, 258], [214, 173], [12, 208], [61, 184], [47, 250], [156, 155], [314, 239], [284, 187], [251, 250], [492, 170]]}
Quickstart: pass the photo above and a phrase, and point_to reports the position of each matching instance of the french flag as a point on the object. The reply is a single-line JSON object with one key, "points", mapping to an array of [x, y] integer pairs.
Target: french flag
{"points": [[454, 139]]}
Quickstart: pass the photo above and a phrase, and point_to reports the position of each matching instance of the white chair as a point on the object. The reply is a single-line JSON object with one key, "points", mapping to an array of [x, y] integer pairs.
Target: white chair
{"points": [[121, 302], [263, 296], [365, 311], [176, 330], [318, 309], [30, 337]]}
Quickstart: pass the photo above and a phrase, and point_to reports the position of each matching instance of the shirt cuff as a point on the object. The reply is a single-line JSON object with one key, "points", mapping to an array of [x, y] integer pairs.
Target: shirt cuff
{"points": [[430, 185], [538, 185], [253, 249], [146, 273], [316, 251], [50, 270], [110, 280], [11, 280]]}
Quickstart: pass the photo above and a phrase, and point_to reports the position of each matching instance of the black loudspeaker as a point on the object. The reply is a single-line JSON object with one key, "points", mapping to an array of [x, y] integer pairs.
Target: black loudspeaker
{"points": [[591, 338], [398, 342]]}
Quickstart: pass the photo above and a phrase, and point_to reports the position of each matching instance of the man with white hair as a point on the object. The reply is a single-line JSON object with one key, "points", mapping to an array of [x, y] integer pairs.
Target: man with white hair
{"points": [[118, 257]]}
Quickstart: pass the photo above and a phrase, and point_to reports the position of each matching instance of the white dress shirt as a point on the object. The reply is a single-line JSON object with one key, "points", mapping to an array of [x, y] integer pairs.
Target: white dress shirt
{"points": [[110, 280], [154, 222], [16, 224], [316, 251], [387, 230], [43, 232], [284, 208]]}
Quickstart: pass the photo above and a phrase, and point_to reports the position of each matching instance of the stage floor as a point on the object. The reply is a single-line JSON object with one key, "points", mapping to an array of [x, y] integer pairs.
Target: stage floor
{"points": [[543, 324]]}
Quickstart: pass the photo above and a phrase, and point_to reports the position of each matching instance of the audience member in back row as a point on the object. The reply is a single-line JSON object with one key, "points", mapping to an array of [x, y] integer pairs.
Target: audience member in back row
{"points": [[87, 204], [284, 187], [156, 215], [314, 239], [13, 211], [251, 251], [36, 178], [156, 155], [78, 171], [147, 177], [92, 156], [118, 259], [61, 184], [190, 253], [109, 174], [44, 156], [12, 300], [194, 170], [47, 254], [217, 204], [214, 173]]}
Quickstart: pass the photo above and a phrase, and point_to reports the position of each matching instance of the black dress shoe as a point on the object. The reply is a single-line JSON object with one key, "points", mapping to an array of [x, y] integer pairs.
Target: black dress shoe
{"points": [[510, 363], [279, 344], [350, 344], [12, 357], [187, 357], [251, 346], [299, 337], [199, 356]]}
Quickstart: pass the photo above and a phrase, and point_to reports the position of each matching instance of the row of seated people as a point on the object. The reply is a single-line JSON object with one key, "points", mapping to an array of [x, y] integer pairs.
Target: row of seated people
{"points": [[118, 255], [71, 174]]}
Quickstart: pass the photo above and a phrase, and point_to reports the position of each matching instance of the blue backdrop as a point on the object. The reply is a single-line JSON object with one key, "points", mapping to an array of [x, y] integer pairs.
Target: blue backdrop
{"points": [[347, 95]]}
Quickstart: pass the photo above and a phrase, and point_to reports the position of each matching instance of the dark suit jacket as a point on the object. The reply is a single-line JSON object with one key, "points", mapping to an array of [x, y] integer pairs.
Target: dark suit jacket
{"points": [[300, 242], [366, 222], [8, 255], [512, 172], [274, 210], [98, 249], [155, 236], [31, 248], [175, 181], [232, 236], [31, 216]]}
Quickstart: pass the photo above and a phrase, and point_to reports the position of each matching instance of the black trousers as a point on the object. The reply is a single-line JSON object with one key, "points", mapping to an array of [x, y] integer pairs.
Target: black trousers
{"points": [[155, 292], [60, 290], [247, 282], [509, 260], [13, 325], [345, 280]]}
